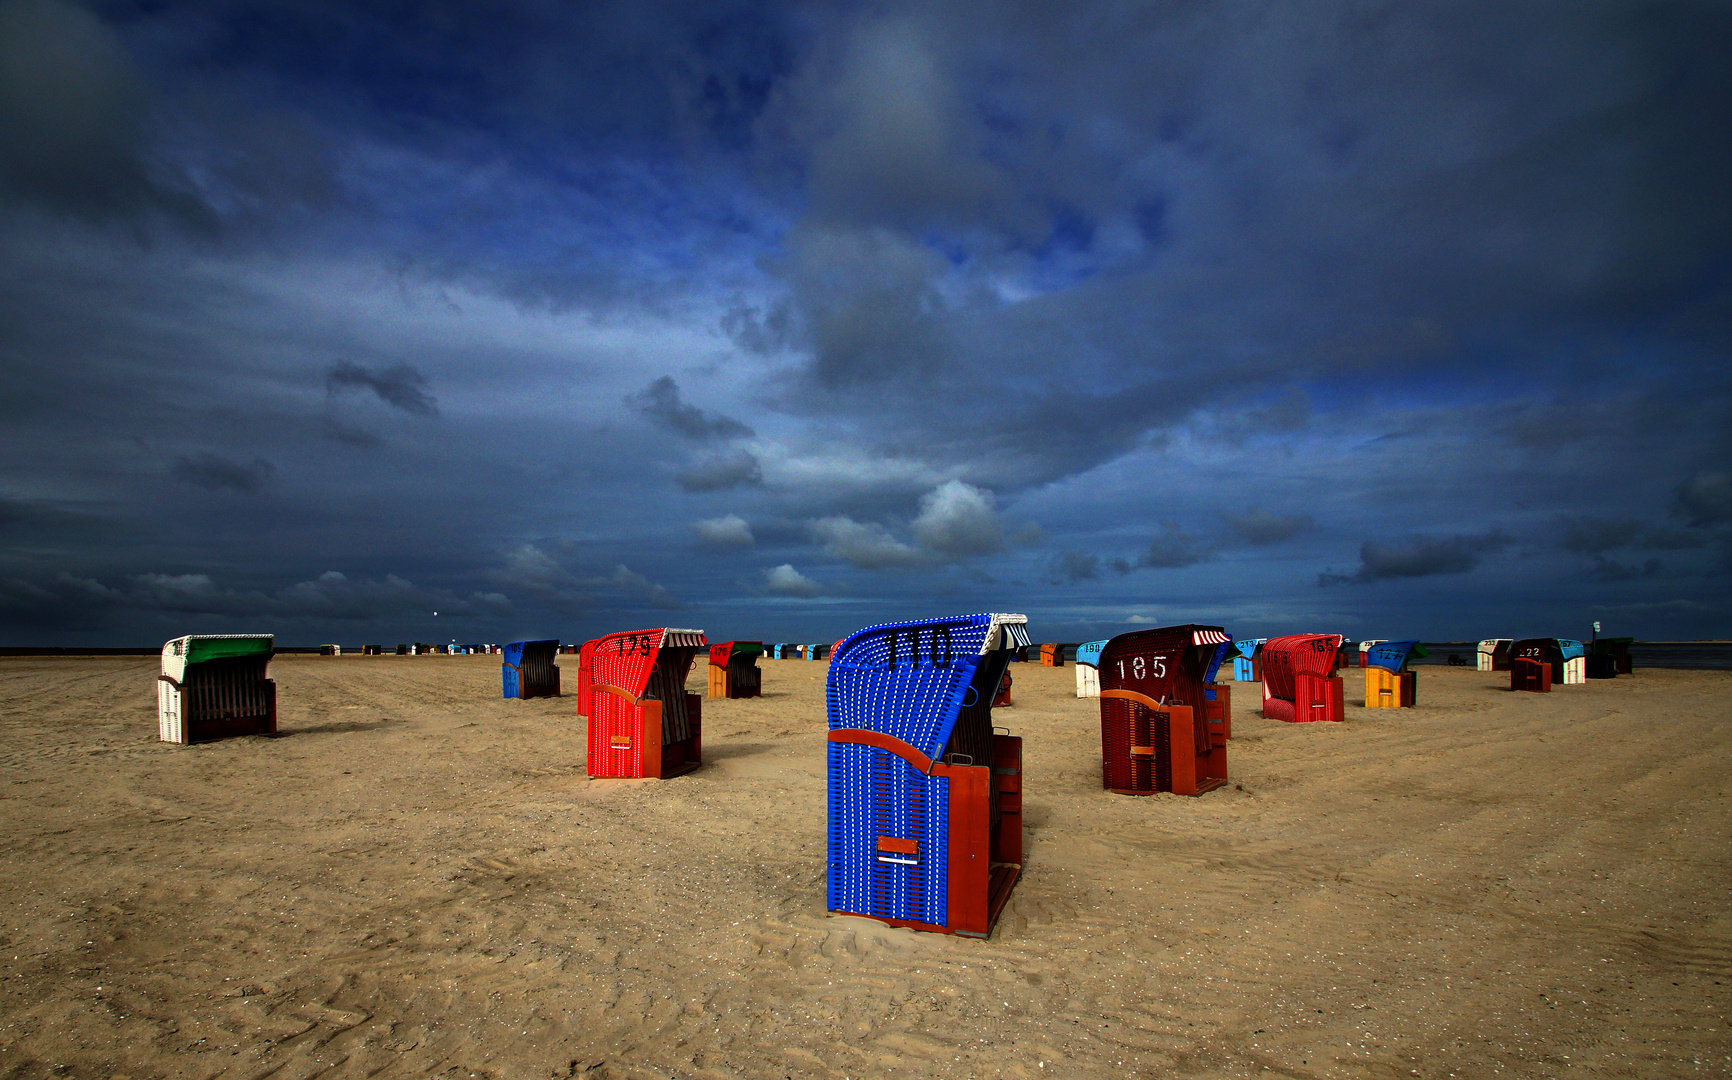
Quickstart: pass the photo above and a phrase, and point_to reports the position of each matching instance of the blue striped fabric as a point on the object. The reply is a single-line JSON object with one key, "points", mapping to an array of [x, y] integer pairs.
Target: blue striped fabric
{"points": [[1222, 651], [874, 793]]}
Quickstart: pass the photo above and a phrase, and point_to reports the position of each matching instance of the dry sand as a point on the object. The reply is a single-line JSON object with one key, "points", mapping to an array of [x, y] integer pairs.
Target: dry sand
{"points": [[416, 879]]}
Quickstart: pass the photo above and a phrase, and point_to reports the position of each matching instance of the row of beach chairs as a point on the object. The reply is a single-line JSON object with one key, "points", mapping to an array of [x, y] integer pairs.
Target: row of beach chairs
{"points": [[924, 823]]}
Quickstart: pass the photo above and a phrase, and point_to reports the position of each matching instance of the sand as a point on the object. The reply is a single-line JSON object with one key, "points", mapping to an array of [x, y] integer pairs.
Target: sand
{"points": [[415, 879]]}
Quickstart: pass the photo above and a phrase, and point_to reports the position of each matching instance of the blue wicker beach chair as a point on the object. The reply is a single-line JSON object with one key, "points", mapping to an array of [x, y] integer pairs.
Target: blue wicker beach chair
{"points": [[925, 798]]}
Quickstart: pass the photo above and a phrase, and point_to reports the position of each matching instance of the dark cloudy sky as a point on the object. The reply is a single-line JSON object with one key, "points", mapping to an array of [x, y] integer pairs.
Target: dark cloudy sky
{"points": [[1387, 319]]}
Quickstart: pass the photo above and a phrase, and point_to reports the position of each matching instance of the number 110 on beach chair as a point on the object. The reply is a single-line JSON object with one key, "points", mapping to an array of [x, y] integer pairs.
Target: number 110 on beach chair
{"points": [[925, 796]]}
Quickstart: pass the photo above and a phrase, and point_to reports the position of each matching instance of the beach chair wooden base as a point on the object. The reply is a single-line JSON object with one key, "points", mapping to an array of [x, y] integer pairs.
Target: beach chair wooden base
{"points": [[1530, 675], [1385, 689], [626, 743], [1219, 712], [1147, 747], [983, 838]]}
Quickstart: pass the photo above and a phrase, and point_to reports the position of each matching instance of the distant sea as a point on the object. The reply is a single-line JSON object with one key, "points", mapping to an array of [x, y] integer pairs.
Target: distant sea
{"points": [[1713, 655]]}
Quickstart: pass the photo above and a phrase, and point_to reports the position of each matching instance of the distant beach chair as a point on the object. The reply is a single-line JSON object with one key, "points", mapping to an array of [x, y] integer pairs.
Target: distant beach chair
{"points": [[733, 671], [1609, 657], [642, 723], [1388, 682], [1155, 729], [925, 820], [1494, 654], [529, 669], [1245, 667], [213, 686], [1088, 675], [1562, 658], [1299, 680]]}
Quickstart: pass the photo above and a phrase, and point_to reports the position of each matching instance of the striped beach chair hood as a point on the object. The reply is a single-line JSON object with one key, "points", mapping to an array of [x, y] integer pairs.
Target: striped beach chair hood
{"points": [[909, 680]]}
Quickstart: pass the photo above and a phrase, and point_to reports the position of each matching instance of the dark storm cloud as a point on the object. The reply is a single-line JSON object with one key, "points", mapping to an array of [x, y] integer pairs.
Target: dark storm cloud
{"points": [[1418, 556], [1340, 193], [72, 107], [332, 595], [1173, 548], [214, 473], [400, 385], [660, 402], [1260, 527], [722, 471], [1596, 536], [544, 571], [1705, 499], [1070, 567], [1414, 270]]}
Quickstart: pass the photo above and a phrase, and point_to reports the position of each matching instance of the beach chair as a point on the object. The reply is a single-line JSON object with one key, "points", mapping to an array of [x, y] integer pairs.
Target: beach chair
{"points": [[734, 670], [1575, 656], [213, 686], [1299, 680], [1244, 657], [529, 669], [1494, 654], [642, 723], [1088, 661], [1561, 656], [1155, 733], [925, 797], [1052, 655], [1388, 683], [1618, 648]]}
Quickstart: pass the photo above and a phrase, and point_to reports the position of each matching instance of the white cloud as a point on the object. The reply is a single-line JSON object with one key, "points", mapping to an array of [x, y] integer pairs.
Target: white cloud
{"points": [[784, 580], [959, 519], [867, 545], [730, 530]]}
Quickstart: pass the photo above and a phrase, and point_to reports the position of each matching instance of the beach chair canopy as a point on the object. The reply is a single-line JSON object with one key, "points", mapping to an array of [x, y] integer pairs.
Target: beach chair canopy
{"points": [[1089, 652], [542, 651], [1571, 648], [1309, 654], [198, 648], [627, 660], [1610, 646], [1247, 647], [1394, 655], [910, 680], [1490, 645], [724, 653], [1172, 664]]}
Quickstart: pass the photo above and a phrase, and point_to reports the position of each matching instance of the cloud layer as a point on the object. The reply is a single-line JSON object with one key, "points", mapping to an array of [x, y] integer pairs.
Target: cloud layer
{"points": [[793, 319]]}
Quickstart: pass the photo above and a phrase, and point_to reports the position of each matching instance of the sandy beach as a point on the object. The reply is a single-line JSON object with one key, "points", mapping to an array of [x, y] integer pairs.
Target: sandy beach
{"points": [[415, 878]]}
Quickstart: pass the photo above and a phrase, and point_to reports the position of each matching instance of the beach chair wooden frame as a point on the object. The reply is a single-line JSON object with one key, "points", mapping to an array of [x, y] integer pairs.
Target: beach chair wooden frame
{"points": [[1150, 747]]}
